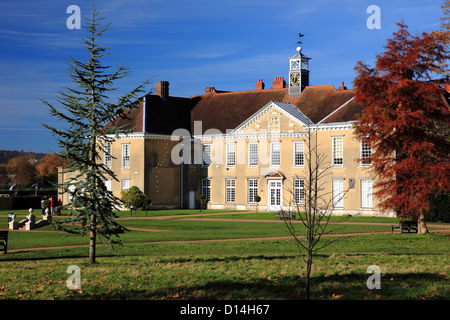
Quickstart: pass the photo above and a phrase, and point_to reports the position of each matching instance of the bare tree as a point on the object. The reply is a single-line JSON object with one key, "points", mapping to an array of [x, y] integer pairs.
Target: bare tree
{"points": [[313, 205]]}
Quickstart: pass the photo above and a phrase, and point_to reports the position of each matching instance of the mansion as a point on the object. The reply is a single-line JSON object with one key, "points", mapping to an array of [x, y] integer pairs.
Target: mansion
{"points": [[232, 146]]}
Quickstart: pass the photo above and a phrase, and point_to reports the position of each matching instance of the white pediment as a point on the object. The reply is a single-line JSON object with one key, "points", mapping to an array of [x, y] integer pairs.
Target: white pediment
{"points": [[270, 116]]}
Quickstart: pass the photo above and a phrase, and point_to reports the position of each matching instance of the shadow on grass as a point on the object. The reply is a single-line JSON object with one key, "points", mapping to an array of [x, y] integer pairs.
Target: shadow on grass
{"points": [[69, 253], [409, 286]]}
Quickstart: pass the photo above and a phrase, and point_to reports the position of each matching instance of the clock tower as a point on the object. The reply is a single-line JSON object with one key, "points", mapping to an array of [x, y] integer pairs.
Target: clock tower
{"points": [[298, 72]]}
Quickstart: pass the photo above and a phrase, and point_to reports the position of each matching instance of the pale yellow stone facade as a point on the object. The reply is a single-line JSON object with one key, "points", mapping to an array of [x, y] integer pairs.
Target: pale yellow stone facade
{"points": [[142, 160], [266, 155], [272, 175]]}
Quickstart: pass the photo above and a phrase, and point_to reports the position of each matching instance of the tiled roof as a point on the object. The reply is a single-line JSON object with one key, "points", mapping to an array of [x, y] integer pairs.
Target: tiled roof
{"points": [[162, 116], [317, 102], [294, 111], [224, 111], [349, 111], [131, 120], [227, 110]]}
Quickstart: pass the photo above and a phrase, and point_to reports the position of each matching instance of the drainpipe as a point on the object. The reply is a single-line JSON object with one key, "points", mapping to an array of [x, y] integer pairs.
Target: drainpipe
{"points": [[144, 116], [181, 181]]}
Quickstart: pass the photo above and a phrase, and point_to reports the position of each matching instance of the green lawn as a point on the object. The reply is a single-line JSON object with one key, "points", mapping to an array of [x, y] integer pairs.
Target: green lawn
{"points": [[150, 266], [149, 213], [173, 230], [412, 266]]}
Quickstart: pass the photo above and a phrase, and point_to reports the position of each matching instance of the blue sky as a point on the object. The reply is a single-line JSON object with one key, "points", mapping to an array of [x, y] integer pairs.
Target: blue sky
{"points": [[192, 44]]}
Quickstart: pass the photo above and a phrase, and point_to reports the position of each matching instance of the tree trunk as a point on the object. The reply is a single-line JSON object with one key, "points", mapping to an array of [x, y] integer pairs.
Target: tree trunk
{"points": [[308, 276], [92, 241], [421, 224]]}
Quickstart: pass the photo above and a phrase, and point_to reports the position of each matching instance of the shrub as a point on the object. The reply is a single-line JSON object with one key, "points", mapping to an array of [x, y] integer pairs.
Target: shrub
{"points": [[440, 211]]}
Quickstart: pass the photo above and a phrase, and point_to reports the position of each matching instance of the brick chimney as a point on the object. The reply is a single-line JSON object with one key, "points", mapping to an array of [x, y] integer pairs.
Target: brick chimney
{"points": [[162, 89], [279, 83], [260, 85], [342, 87]]}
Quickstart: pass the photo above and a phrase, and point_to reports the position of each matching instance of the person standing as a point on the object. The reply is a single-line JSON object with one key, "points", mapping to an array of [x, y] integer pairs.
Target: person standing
{"points": [[46, 205], [58, 207], [52, 205], [43, 205]]}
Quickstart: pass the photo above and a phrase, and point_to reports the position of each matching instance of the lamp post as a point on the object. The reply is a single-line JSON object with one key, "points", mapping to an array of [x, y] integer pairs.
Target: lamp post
{"points": [[131, 211]]}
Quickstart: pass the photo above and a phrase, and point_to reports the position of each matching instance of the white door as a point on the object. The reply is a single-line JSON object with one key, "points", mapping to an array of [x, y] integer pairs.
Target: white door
{"points": [[275, 195], [191, 199], [338, 193], [366, 193]]}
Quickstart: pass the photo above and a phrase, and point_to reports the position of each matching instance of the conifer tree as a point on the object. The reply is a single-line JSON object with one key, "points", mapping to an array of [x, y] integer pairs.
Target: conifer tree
{"points": [[85, 112]]}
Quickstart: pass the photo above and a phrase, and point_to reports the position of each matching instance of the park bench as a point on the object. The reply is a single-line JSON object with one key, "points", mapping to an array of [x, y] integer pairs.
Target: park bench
{"points": [[409, 226], [285, 214], [4, 240]]}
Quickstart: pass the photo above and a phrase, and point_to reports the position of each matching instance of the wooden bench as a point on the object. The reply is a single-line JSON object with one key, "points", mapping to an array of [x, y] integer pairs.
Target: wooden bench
{"points": [[4, 240], [408, 226], [285, 214]]}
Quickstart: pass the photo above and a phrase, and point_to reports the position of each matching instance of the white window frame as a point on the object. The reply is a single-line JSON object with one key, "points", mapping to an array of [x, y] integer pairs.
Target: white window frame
{"points": [[206, 188], [71, 188], [253, 161], [108, 184], [252, 190], [338, 193], [299, 191], [125, 184], [126, 156], [230, 190], [206, 155], [107, 157], [230, 154], [275, 155], [299, 149], [366, 194], [335, 150], [365, 153]]}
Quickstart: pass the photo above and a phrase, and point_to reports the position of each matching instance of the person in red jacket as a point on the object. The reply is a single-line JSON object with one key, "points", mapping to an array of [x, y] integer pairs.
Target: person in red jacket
{"points": [[52, 206]]}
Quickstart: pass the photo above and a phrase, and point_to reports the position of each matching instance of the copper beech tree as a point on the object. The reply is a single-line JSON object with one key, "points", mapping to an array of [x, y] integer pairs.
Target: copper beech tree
{"points": [[406, 121]]}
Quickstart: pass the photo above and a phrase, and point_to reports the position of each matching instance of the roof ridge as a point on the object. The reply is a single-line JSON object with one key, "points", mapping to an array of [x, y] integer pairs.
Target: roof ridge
{"points": [[238, 92]]}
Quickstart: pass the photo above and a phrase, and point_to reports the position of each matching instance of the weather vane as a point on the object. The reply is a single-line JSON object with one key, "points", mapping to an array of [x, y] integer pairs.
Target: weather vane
{"points": [[299, 42]]}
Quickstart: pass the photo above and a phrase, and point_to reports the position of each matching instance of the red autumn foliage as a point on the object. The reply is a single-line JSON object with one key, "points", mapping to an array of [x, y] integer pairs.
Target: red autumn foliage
{"points": [[406, 120]]}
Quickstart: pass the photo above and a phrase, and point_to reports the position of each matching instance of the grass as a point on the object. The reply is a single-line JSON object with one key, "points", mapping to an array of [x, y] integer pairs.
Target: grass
{"points": [[413, 267], [127, 213], [148, 266], [173, 230]]}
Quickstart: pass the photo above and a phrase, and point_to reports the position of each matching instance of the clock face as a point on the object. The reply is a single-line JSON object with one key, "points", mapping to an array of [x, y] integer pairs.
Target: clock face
{"points": [[294, 79]]}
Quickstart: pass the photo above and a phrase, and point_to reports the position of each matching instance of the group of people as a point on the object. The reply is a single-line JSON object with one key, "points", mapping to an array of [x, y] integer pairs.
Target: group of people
{"points": [[53, 205]]}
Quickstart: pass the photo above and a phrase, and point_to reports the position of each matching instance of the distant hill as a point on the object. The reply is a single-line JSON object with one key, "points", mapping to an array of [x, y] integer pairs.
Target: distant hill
{"points": [[6, 155]]}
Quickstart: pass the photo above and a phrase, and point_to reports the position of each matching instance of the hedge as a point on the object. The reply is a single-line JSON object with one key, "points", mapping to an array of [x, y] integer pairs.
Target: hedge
{"points": [[31, 192], [440, 211], [17, 203]]}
